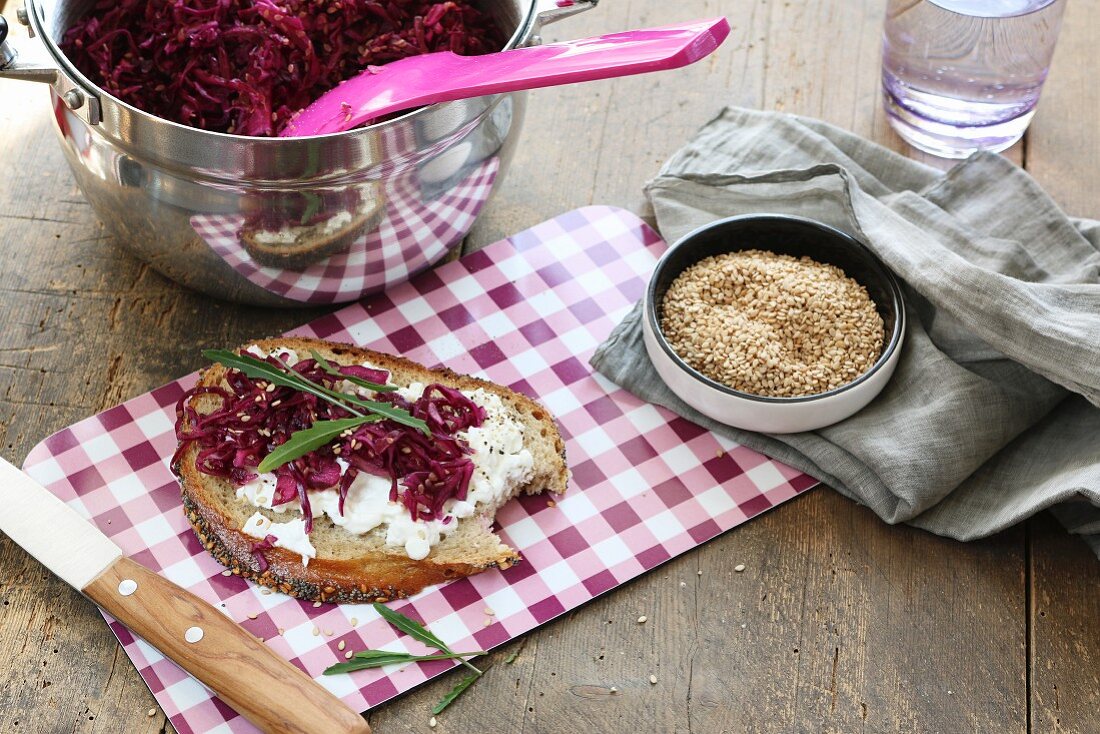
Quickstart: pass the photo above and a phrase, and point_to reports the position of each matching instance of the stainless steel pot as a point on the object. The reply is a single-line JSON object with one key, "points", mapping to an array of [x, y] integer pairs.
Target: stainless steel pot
{"points": [[401, 194]]}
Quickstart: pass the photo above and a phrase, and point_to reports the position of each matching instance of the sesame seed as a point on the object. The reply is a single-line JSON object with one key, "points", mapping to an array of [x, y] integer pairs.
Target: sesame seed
{"points": [[282, 631], [354, 621], [342, 645], [739, 567], [771, 324], [328, 633], [488, 622], [653, 680], [348, 654], [683, 584], [642, 619], [270, 387], [489, 611], [227, 572], [265, 591], [699, 572], [151, 713], [316, 631], [432, 722], [245, 418], [276, 403], [252, 615], [614, 689], [316, 604]]}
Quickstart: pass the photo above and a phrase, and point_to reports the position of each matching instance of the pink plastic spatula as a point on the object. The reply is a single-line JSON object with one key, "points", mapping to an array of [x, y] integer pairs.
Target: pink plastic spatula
{"points": [[443, 77]]}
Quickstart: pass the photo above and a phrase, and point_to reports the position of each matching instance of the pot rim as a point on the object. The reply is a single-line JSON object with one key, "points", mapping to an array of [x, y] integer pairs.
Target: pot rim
{"points": [[526, 28]]}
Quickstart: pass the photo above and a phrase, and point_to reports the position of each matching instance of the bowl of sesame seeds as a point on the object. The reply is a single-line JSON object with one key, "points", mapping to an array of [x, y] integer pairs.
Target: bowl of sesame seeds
{"points": [[773, 323]]}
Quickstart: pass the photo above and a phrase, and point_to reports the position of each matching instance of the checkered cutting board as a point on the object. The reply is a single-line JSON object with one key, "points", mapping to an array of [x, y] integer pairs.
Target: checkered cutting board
{"points": [[526, 312]]}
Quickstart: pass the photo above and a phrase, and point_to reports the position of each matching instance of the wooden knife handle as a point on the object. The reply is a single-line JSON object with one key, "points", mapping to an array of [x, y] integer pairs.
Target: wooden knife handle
{"points": [[249, 677]]}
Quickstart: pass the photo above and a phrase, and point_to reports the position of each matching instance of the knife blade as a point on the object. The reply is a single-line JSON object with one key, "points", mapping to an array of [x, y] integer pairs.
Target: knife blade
{"points": [[247, 675]]}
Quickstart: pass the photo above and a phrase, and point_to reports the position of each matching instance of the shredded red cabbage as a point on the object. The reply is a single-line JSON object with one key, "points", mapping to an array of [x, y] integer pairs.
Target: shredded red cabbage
{"points": [[252, 417], [258, 551], [245, 66]]}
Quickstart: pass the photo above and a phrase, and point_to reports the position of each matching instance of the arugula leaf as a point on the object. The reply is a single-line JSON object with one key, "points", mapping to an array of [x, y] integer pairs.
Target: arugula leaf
{"points": [[260, 370], [300, 443], [313, 205], [411, 627], [379, 658], [455, 693], [398, 415], [327, 367]]}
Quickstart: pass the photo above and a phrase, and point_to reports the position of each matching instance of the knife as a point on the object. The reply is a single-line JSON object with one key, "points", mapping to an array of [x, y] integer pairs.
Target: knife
{"points": [[247, 675]]}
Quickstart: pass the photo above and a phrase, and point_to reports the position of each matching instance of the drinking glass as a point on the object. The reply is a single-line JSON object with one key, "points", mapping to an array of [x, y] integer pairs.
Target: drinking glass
{"points": [[964, 75]]}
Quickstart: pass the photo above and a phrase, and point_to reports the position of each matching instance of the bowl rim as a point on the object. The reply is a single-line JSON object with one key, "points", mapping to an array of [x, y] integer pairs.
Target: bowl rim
{"points": [[888, 277]]}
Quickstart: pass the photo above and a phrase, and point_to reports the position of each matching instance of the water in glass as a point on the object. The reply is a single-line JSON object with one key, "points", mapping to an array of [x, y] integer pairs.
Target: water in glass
{"points": [[963, 75]]}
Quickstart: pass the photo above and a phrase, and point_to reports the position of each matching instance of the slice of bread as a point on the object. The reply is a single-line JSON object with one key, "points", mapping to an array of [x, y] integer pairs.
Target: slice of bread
{"points": [[362, 568]]}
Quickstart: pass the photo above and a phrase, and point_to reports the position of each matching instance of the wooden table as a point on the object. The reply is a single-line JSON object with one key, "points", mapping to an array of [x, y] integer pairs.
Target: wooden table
{"points": [[839, 622]]}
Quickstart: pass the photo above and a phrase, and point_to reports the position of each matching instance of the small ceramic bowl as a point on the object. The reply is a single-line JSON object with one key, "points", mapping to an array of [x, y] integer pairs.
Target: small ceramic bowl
{"points": [[785, 235]]}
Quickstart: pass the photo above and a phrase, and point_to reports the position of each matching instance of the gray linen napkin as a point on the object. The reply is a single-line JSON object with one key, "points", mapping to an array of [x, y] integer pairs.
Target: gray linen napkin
{"points": [[992, 413]]}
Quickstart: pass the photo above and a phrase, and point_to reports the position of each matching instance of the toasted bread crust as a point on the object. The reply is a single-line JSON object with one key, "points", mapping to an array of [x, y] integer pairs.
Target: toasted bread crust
{"points": [[374, 576]]}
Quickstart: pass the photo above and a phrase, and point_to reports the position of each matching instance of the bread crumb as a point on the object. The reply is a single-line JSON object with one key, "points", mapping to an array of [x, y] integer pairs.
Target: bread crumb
{"points": [[642, 619], [739, 567], [551, 503], [653, 680]]}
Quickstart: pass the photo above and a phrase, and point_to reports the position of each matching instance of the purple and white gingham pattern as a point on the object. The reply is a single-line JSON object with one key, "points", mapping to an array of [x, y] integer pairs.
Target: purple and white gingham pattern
{"points": [[525, 312], [413, 234]]}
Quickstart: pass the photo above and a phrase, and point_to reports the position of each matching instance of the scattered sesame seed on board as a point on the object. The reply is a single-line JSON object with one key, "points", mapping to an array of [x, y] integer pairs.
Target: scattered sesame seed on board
{"points": [[642, 619], [432, 722], [488, 622], [699, 572], [739, 567], [653, 680], [354, 621], [348, 654], [614, 689], [342, 645], [328, 633], [772, 325], [282, 631], [683, 584], [227, 572], [251, 615], [316, 605], [490, 612], [151, 713], [316, 631]]}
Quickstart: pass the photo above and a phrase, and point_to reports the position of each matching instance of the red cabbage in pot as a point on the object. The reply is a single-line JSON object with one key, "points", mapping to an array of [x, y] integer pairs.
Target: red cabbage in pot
{"points": [[245, 66], [251, 418]]}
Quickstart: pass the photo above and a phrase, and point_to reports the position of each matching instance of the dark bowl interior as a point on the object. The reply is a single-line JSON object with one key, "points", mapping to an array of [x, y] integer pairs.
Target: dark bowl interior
{"points": [[786, 235]]}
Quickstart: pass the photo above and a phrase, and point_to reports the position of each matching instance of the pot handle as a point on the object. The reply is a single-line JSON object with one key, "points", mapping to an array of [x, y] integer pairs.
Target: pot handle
{"points": [[21, 62], [549, 11], [30, 62]]}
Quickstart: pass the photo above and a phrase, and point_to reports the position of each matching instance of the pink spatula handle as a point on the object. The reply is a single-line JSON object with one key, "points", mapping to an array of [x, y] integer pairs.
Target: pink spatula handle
{"points": [[443, 77]]}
